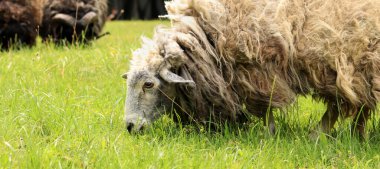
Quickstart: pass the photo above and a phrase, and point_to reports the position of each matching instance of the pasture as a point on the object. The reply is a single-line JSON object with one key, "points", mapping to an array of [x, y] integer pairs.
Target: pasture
{"points": [[62, 107]]}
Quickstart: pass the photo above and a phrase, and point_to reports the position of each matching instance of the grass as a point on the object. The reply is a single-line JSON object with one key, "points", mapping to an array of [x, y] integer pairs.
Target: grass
{"points": [[62, 107]]}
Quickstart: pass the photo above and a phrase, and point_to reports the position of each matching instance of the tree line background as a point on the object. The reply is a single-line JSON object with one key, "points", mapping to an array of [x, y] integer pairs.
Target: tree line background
{"points": [[136, 9]]}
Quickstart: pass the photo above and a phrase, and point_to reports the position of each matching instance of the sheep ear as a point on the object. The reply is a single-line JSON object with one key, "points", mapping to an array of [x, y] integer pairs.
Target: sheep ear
{"points": [[174, 78], [125, 76]]}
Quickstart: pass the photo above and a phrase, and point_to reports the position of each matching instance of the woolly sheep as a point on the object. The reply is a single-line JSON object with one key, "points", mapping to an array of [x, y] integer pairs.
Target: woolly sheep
{"points": [[73, 20], [221, 58], [19, 21]]}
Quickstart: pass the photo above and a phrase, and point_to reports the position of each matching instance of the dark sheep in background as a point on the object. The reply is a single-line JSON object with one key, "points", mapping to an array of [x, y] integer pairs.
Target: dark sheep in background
{"points": [[73, 20], [19, 20]]}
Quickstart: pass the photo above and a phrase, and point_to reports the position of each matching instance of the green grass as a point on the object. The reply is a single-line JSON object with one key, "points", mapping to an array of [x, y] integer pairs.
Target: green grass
{"points": [[62, 107]]}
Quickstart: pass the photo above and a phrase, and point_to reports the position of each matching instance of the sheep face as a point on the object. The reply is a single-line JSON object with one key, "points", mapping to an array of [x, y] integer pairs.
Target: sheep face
{"points": [[144, 99], [152, 86], [150, 95]]}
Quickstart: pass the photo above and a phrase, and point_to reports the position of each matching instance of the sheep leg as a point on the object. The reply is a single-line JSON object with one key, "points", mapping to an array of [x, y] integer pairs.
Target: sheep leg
{"points": [[360, 120], [269, 121], [329, 118], [327, 122]]}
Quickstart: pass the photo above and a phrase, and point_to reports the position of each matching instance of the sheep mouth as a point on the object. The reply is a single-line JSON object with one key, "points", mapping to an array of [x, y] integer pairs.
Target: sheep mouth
{"points": [[136, 124]]}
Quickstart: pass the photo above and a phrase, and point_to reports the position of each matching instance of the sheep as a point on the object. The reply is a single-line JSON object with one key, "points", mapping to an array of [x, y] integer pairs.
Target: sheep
{"points": [[221, 59], [73, 21], [19, 21]]}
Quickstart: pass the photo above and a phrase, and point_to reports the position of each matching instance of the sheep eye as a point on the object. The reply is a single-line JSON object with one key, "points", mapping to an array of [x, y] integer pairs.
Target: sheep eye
{"points": [[148, 85]]}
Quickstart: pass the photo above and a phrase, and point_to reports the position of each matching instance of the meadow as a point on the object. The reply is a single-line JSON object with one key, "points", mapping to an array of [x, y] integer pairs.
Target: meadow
{"points": [[63, 107]]}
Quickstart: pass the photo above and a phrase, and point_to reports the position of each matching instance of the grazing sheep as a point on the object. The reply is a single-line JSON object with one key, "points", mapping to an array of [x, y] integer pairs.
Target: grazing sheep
{"points": [[221, 58], [73, 20], [19, 20]]}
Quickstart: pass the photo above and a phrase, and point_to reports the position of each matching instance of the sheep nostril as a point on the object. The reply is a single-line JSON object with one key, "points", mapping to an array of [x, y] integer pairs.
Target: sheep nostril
{"points": [[130, 127]]}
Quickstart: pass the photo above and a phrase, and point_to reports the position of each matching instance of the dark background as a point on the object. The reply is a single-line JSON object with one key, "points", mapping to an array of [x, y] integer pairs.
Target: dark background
{"points": [[135, 9]]}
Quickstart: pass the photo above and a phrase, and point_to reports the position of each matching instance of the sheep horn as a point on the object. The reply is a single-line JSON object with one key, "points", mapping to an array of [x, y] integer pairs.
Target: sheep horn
{"points": [[64, 18], [90, 17], [174, 78]]}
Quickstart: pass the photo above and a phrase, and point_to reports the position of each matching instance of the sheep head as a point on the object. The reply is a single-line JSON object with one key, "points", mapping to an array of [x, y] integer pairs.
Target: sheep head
{"points": [[157, 69], [72, 21]]}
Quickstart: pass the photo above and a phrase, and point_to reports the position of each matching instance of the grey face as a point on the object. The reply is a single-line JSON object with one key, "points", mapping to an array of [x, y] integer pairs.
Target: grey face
{"points": [[144, 99], [148, 96]]}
